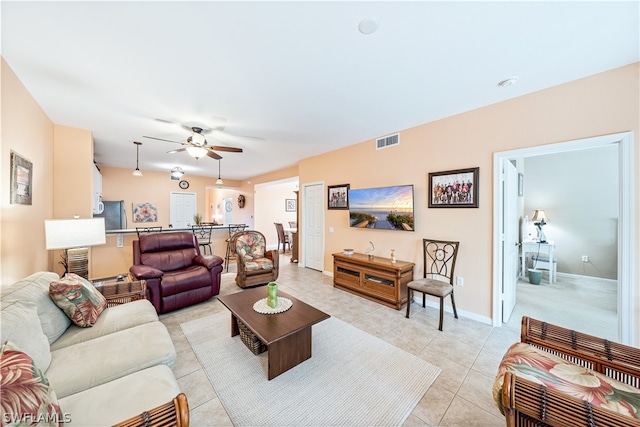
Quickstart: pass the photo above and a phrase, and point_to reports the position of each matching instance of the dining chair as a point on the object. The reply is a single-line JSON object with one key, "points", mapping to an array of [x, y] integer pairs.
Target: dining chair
{"points": [[283, 238], [231, 254], [439, 265], [293, 224], [147, 230]]}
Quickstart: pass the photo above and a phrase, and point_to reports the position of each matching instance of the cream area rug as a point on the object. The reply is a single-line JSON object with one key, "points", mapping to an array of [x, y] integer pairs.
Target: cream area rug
{"points": [[352, 378]]}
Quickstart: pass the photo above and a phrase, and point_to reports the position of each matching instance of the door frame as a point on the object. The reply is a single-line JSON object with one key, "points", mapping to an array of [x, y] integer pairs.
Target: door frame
{"points": [[627, 221]]}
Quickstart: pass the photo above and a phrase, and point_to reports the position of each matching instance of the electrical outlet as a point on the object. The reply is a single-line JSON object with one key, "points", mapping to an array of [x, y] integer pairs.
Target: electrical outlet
{"points": [[460, 281], [585, 258]]}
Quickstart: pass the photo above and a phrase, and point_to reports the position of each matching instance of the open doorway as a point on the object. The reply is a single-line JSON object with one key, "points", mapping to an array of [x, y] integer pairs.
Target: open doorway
{"points": [[624, 143]]}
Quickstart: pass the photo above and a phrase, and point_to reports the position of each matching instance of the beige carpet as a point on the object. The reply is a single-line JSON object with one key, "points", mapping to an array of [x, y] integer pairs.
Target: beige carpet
{"points": [[352, 379]]}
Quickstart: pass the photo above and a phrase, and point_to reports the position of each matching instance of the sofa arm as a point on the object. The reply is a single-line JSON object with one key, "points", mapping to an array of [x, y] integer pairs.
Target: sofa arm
{"points": [[145, 272], [174, 413], [209, 261]]}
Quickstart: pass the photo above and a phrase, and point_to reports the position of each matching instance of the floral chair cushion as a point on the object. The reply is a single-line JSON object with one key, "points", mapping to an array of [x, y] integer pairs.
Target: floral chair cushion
{"points": [[250, 246], [26, 398], [258, 264], [78, 298], [556, 373]]}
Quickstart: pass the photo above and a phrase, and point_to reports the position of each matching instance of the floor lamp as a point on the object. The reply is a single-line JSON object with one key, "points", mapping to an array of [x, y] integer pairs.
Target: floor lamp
{"points": [[75, 236]]}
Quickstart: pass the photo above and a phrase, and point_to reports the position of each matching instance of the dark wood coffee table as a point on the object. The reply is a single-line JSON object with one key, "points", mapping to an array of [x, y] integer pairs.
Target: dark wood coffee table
{"points": [[287, 335]]}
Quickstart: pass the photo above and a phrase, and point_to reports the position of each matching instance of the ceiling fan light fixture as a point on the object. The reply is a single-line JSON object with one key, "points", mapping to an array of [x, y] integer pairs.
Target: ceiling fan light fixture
{"points": [[197, 138], [196, 152], [137, 171]]}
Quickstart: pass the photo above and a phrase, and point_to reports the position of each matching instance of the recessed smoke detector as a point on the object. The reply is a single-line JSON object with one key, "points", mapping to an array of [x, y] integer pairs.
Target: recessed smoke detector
{"points": [[368, 25], [508, 82]]}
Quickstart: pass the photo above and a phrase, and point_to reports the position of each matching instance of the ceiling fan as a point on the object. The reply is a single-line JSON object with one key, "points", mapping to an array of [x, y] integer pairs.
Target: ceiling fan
{"points": [[196, 144]]}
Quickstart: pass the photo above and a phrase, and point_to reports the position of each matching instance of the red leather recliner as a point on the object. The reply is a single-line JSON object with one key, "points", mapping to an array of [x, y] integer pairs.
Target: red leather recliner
{"points": [[177, 274]]}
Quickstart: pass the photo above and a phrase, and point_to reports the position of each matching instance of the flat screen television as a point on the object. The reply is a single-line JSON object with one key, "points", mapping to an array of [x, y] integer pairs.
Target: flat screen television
{"points": [[383, 208]]}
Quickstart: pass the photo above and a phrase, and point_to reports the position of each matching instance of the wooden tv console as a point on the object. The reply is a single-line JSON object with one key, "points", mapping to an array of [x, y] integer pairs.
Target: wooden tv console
{"points": [[378, 279]]}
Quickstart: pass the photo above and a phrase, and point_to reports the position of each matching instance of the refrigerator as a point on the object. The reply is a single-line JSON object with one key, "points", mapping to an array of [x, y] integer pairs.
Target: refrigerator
{"points": [[114, 214]]}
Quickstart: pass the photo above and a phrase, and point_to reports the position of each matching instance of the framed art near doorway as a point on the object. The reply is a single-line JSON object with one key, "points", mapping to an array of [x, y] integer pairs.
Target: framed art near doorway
{"points": [[21, 179], [338, 196]]}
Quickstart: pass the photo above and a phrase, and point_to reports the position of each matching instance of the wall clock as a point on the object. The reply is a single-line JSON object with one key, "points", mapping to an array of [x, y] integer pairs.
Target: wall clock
{"points": [[228, 206], [241, 201], [184, 184]]}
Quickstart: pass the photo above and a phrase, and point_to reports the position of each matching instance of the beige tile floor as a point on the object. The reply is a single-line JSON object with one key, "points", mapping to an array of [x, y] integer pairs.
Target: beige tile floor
{"points": [[468, 352]]}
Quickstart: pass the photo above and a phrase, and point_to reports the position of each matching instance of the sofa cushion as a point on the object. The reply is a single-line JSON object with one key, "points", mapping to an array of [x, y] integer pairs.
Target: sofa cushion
{"points": [[121, 399], [112, 319], [542, 367], [19, 323], [26, 394], [35, 288], [258, 264], [90, 363], [78, 298]]}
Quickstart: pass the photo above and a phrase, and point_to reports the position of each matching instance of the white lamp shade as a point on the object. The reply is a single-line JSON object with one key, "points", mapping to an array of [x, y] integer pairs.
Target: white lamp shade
{"points": [[196, 152], [74, 233], [539, 215], [197, 138]]}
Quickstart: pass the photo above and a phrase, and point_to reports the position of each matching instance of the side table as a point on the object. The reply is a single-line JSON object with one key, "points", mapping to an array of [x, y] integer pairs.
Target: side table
{"points": [[120, 289]]}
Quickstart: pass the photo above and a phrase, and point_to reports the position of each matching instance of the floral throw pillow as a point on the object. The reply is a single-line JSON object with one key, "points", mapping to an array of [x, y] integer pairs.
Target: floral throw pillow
{"points": [[26, 398], [78, 298]]}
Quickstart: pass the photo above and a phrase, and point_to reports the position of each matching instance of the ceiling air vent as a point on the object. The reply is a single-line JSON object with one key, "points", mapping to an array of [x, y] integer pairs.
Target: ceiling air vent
{"points": [[387, 141]]}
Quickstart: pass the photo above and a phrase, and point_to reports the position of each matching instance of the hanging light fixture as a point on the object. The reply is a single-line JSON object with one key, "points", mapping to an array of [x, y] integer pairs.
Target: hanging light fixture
{"points": [[137, 172], [197, 137], [176, 173], [196, 152], [219, 180]]}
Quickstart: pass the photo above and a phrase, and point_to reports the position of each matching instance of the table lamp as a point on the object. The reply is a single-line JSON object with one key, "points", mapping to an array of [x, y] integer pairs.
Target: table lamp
{"points": [[75, 236], [539, 218]]}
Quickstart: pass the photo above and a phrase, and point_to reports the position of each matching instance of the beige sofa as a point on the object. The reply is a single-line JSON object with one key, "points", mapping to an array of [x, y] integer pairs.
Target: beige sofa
{"points": [[101, 375]]}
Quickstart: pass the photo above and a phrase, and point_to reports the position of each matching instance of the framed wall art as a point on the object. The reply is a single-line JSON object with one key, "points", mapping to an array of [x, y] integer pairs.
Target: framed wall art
{"points": [[145, 212], [289, 205], [454, 189], [338, 196], [21, 179]]}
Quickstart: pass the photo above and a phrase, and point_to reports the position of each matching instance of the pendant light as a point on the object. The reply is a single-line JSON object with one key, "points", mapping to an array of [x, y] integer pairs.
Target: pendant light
{"points": [[137, 172], [219, 180]]}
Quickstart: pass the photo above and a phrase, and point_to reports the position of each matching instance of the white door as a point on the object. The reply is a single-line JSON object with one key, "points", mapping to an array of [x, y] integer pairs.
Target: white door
{"points": [[182, 210], [510, 240], [313, 225]]}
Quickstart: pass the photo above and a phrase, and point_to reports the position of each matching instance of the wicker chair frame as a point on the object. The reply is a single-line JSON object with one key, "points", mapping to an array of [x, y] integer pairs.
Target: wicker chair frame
{"points": [[171, 414], [530, 404]]}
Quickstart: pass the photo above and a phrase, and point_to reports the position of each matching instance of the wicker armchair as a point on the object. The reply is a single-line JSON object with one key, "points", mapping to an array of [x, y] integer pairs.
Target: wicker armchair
{"points": [[171, 414], [530, 403], [255, 264]]}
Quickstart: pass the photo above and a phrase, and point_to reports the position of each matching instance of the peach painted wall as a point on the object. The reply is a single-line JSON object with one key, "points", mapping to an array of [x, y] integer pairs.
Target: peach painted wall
{"points": [[602, 104], [27, 130]]}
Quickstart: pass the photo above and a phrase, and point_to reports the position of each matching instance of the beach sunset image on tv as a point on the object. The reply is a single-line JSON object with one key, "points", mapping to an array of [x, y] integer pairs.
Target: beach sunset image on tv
{"points": [[385, 208]]}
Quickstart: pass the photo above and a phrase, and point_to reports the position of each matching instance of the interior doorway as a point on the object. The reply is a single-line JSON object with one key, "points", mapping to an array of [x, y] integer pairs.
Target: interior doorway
{"points": [[626, 258]]}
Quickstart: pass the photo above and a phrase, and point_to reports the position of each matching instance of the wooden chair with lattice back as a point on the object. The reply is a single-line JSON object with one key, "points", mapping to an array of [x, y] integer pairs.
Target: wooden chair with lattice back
{"points": [[439, 265]]}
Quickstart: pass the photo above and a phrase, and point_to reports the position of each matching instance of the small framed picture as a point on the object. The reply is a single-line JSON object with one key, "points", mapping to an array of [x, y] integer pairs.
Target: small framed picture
{"points": [[454, 189], [21, 179], [338, 196], [290, 205]]}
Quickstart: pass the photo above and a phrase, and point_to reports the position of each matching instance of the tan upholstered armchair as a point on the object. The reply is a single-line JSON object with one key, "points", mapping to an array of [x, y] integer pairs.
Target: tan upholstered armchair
{"points": [[255, 264]]}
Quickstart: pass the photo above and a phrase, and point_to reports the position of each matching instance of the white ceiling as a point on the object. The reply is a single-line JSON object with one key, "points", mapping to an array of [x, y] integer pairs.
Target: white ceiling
{"points": [[298, 75]]}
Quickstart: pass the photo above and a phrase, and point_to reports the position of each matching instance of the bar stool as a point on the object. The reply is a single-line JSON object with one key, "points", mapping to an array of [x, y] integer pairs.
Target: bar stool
{"points": [[231, 254]]}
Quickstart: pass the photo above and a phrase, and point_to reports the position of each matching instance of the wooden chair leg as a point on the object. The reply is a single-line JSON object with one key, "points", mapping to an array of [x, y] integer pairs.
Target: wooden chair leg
{"points": [[424, 300], [409, 301], [441, 312]]}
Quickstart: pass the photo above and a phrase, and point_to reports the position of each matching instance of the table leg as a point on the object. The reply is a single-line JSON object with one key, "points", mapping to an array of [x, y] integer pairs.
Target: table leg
{"points": [[235, 330], [288, 352]]}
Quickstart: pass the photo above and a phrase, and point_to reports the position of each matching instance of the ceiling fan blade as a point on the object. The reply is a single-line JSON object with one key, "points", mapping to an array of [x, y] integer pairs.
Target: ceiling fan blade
{"points": [[228, 149], [160, 139], [213, 155], [178, 150]]}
